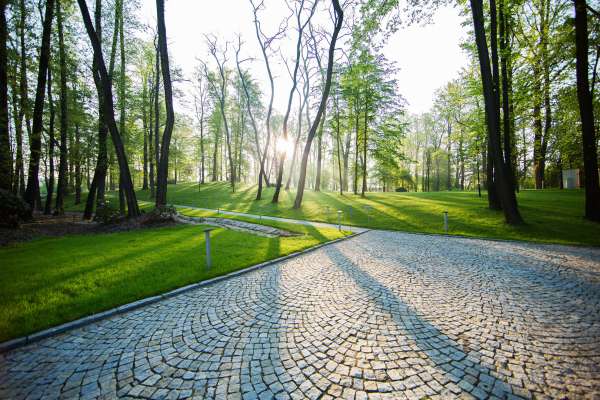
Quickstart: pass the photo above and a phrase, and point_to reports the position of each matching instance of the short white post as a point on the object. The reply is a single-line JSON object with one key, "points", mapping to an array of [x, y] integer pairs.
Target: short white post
{"points": [[446, 221], [207, 240], [340, 220]]}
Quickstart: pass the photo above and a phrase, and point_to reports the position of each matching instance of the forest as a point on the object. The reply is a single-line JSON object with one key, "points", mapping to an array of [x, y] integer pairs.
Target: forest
{"points": [[90, 105]]}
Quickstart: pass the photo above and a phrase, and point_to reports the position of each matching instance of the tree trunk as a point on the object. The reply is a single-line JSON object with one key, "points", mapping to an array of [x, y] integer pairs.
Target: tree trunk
{"points": [[156, 116], [507, 196], [51, 141], [586, 111], [108, 106], [339, 16], [145, 131], [5, 153], [19, 183], [64, 117], [365, 142], [32, 194], [77, 163], [319, 153], [97, 188]]}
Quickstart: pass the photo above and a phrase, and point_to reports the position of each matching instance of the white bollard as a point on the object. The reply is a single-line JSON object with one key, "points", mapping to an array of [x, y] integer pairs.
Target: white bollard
{"points": [[446, 221], [207, 240]]}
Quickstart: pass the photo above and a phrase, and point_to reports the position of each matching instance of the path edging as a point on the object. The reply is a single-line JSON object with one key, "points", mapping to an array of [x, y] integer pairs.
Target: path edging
{"points": [[90, 319]]}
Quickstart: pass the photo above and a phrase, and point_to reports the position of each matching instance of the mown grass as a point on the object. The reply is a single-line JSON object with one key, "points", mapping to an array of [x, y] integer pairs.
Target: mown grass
{"points": [[552, 216], [50, 281]]}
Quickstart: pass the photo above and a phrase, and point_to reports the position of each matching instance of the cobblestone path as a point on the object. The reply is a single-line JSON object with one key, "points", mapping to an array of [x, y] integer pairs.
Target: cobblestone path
{"points": [[382, 315]]}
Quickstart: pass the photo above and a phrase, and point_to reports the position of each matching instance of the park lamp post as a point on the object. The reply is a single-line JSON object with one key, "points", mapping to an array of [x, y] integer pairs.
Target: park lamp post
{"points": [[207, 241], [340, 212]]}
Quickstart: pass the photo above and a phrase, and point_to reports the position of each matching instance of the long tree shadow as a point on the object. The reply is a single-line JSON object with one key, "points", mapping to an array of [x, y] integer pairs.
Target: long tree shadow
{"points": [[447, 356]]}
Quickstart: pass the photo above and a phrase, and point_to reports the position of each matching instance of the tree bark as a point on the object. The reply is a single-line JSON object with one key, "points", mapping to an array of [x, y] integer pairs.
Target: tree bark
{"points": [[51, 141], [163, 170], [108, 106], [490, 91], [32, 194], [339, 17], [586, 111], [5, 153], [289, 106], [64, 117]]}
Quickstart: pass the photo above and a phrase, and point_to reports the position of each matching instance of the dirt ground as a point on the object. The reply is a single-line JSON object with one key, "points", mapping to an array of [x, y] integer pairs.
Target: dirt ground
{"points": [[69, 224]]}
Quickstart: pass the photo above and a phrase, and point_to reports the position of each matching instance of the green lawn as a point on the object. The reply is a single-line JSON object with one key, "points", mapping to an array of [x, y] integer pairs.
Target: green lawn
{"points": [[49, 281], [552, 216]]}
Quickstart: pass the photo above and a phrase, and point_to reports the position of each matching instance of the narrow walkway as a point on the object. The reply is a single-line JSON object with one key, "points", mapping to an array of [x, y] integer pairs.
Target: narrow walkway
{"points": [[280, 219]]}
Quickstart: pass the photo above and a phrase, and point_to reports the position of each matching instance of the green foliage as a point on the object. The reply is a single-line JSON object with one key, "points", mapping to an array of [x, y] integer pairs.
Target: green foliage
{"points": [[13, 209]]}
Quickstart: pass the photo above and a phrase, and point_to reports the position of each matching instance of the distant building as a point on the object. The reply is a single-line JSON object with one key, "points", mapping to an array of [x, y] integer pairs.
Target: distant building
{"points": [[570, 178]]}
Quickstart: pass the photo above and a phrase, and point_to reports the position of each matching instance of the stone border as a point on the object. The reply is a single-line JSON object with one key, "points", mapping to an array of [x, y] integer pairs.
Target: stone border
{"points": [[56, 330]]}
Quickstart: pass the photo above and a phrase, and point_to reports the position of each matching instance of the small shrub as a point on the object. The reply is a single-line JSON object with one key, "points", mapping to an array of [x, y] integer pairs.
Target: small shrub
{"points": [[107, 214], [13, 209], [160, 215], [401, 189]]}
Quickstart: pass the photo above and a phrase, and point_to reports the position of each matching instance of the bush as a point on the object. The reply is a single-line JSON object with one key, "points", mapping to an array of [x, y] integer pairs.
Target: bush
{"points": [[107, 214], [13, 209], [401, 189], [160, 215]]}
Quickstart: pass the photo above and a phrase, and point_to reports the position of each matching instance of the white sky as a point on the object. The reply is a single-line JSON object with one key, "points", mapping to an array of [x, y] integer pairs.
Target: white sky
{"points": [[427, 56]]}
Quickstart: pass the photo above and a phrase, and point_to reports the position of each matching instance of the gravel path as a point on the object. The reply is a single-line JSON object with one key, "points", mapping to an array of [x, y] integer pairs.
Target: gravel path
{"points": [[382, 315]]}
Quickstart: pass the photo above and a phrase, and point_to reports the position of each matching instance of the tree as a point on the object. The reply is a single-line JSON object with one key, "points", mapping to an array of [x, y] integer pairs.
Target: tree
{"points": [[301, 26], [220, 91], [338, 19], [5, 153], [586, 111], [108, 108], [163, 166], [32, 194], [64, 126], [490, 91]]}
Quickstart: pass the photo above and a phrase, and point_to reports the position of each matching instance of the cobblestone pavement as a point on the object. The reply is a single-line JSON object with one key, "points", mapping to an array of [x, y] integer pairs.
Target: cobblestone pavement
{"points": [[382, 315]]}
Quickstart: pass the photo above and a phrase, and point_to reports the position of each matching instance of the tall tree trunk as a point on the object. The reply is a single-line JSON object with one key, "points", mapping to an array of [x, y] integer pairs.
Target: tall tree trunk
{"points": [[119, 9], [586, 111], [365, 143], [538, 155], [96, 189], [156, 115], [151, 137], [449, 167], [64, 117], [339, 17], [319, 153], [145, 130], [506, 75], [163, 169], [289, 106], [108, 106], [19, 183], [507, 196], [356, 147], [5, 153], [32, 194], [51, 141], [77, 163]]}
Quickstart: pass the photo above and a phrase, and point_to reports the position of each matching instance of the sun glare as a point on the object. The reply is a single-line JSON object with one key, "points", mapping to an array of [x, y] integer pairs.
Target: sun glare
{"points": [[285, 146]]}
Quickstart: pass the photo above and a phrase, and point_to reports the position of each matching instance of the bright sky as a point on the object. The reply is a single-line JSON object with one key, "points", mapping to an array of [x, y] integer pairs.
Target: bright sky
{"points": [[427, 56]]}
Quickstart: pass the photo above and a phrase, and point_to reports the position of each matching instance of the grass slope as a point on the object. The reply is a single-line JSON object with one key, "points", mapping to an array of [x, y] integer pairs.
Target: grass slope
{"points": [[552, 216], [50, 281]]}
